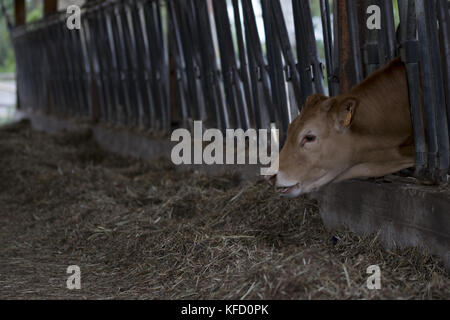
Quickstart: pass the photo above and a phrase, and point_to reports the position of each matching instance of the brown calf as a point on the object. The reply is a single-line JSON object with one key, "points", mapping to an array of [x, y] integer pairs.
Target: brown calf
{"points": [[364, 133]]}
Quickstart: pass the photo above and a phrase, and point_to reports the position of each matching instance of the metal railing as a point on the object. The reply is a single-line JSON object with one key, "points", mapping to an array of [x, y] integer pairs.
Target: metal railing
{"points": [[163, 63]]}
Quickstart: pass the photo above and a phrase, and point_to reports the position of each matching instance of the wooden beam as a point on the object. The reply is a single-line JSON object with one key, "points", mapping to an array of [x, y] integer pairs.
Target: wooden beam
{"points": [[50, 6], [19, 12]]}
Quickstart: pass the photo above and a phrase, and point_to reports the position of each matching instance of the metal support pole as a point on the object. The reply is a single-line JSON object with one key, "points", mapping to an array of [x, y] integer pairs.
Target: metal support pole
{"points": [[328, 44], [353, 27], [444, 32], [410, 56], [437, 134]]}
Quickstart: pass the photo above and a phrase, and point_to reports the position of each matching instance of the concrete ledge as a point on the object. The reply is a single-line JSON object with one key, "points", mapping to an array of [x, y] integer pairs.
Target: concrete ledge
{"points": [[403, 213], [131, 143]]}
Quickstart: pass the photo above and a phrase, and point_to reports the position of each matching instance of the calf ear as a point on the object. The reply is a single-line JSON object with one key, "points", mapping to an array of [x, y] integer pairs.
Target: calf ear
{"points": [[346, 112], [329, 104]]}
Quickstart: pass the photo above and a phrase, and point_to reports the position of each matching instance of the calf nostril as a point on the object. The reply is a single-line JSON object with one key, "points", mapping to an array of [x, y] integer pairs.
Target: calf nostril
{"points": [[271, 179]]}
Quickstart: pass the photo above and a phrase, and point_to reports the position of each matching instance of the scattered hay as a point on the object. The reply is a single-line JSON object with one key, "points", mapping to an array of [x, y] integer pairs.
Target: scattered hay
{"points": [[148, 231]]}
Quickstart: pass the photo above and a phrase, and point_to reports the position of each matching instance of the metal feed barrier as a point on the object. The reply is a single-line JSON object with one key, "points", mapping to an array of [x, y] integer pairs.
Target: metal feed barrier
{"points": [[158, 64]]}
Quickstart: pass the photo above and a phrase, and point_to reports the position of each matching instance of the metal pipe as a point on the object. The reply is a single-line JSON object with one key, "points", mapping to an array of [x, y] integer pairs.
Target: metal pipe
{"points": [[328, 43], [353, 27], [427, 85], [444, 32], [410, 56], [275, 67], [438, 90]]}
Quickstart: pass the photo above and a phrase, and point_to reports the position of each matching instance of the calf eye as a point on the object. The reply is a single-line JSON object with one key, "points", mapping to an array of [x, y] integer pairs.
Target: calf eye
{"points": [[308, 138]]}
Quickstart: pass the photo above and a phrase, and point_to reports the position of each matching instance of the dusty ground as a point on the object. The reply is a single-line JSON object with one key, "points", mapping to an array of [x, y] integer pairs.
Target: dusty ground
{"points": [[142, 230]]}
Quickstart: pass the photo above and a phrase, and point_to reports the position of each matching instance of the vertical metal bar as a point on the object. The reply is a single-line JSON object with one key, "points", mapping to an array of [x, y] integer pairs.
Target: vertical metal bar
{"points": [[206, 63], [146, 62], [292, 75], [19, 19], [197, 110], [316, 65], [279, 100], [65, 72], [139, 64], [162, 71], [112, 82], [382, 36], [115, 76], [229, 68], [444, 28], [388, 14], [346, 68], [76, 45], [180, 65], [352, 17], [258, 65], [213, 95], [132, 51], [286, 48], [309, 66], [244, 72], [56, 84], [336, 49], [371, 53], [68, 54], [106, 90], [410, 56], [86, 73], [438, 90], [304, 64], [75, 48], [260, 107], [97, 68], [434, 138], [328, 43], [125, 64]]}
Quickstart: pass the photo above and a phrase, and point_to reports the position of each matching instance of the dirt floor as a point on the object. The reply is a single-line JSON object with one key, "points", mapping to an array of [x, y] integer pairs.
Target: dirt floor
{"points": [[142, 230]]}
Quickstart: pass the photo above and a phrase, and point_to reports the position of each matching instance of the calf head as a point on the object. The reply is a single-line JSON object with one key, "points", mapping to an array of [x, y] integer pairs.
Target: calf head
{"points": [[318, 147]]}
